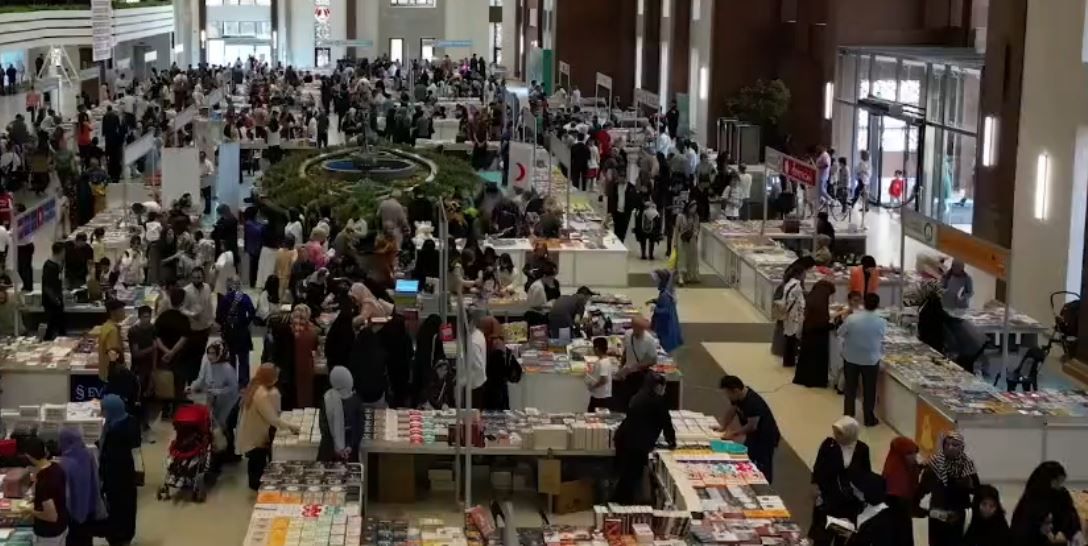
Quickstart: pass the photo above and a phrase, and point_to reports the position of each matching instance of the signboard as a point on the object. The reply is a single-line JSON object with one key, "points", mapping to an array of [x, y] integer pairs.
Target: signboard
{"points": [[647, 98], [183, 118], [519, 169], [930, 427], [604, 81], [920, 227], [123, 64], [83, 387], [89, 73], [984, 255], [453, 43], [32, 220], [564, 68], [213, 98], [151, 56], [138, 149], [102, 29], [798, 170], [346, 43]]}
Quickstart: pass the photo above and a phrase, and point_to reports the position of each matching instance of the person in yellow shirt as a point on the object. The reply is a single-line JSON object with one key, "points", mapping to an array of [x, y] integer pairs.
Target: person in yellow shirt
{"points": [[109, 336]]}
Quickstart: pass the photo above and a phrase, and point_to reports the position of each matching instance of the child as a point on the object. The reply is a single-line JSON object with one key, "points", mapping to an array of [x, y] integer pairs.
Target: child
{"points": [[898, 185], [599, 376], [988, 524]]}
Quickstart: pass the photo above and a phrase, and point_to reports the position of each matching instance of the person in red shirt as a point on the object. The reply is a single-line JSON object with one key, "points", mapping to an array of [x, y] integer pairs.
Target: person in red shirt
{"points": [[897, 186], [604, 140]]}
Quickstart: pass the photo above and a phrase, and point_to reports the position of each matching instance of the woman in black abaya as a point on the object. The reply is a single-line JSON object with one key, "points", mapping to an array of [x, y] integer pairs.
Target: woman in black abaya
{"points": [[815, 341]]}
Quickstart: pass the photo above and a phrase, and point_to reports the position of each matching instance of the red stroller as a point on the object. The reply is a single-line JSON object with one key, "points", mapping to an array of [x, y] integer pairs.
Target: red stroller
{"points": [[190, 453]]}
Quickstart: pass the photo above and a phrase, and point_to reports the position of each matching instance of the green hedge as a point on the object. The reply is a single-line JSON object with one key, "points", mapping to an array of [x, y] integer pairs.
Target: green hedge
{"points": [[283, 185]]}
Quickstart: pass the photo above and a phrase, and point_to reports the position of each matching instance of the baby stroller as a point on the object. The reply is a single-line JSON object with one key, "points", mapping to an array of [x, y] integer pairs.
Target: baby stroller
{"points": [[190, 453], [1066, 323]]}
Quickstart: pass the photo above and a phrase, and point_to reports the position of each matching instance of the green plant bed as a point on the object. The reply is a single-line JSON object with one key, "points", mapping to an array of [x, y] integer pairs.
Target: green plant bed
{"points": [[142, 4], [300, 181], [26, 8]]}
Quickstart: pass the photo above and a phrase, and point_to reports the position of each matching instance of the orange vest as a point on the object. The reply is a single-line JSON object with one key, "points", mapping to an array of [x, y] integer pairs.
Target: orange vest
{"points": [[857, 281]]}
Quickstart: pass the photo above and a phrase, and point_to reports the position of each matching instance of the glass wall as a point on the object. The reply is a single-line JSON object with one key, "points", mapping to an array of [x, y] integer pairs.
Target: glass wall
{"points": [[917, 115]]}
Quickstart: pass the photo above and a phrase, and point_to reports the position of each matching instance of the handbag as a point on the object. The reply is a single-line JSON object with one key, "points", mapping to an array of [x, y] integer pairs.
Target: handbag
{"points": [[163, 382]]}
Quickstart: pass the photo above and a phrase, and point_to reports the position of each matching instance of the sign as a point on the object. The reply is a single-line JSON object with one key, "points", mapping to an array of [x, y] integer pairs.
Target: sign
{"points": [[84, 387], [123, 64], [930, 426], [984, 255], [183, 118], [138, 149], [647, 98], [32, 220], [604, 81], [102, 29], [88, 73], [564, 68], [798, 170], [519, 168], [151, 56], [453, 43], [322, 13], [346, 43], [920, 227], [213, 98]]}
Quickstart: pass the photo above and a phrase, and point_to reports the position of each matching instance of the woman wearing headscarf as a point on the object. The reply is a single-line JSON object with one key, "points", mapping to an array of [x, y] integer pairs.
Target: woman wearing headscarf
{"points": [[875, 525], [316, 288], [305, 345], [84, 494], [687, 244], [430, 372], [901, 473], [958, 287], [1046, 513], [502, 368], [235, 314], [988, 524], [949, 479], [647, 418], [117, 469], [795, 271], [812, 361], [340, 335], [665, 319], [841, 462], [219, 381], [427, 262], [260, 414], [341, 419]]}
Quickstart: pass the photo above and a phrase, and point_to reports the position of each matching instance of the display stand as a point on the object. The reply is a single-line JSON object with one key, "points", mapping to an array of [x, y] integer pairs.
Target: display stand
{"points": [[180, 174], [603, 82], [647, 104], [564, 77]]}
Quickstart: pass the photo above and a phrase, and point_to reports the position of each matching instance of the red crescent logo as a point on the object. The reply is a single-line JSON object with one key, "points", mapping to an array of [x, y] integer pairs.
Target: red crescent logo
{"points": [[521, 172]]}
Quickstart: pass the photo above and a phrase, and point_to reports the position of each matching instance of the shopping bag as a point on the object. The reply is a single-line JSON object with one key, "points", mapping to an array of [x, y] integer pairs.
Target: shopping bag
{"points": [[163, 380], [673, 260]]}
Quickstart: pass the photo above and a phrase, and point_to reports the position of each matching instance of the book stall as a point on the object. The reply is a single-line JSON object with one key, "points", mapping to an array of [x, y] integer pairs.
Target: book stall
{"points": [[850, 241], [36, 372]]}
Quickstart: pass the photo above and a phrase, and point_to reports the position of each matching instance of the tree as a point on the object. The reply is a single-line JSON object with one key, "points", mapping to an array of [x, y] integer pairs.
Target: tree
{"points": [[763, 103]]}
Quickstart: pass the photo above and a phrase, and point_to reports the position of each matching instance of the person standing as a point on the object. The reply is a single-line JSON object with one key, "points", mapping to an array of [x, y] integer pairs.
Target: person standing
{"points": [[841, 462], [260, 414], [901, 473], [198, 308], [639, 356], [812, 362], [219, 381], [672, 120], [958, 287], [646, 420], [109, 336], [863, 172], [141, 344], [235, 314], [988, 524], [84, 492], [579, 162], [305, 344], [172, 333], [757, 423], [599, 376], [50, 508], [949, 479], [1045, 513], [790, 309], [253, 243], [862, 335], [120, 435], [687, 244], [207, 180], [53, 293], [114, 133], [341, 419]]}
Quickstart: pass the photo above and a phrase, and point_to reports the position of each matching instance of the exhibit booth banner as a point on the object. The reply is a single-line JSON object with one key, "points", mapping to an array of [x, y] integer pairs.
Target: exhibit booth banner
{"points": [[180, 174], [228, 181], [564, 75], [519, 168], [604, 82]]}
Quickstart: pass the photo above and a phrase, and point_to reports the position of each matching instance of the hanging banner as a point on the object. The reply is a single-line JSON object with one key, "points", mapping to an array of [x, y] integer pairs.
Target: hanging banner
{"points": [[604, 81], [647, 98], [32, 220], [102, 29], [549, 71], [138, 149], [123, 64], [346, 43], [976, 252], [920, 227], [449, 44], [183, 118], [519, 168], [798, 170]]}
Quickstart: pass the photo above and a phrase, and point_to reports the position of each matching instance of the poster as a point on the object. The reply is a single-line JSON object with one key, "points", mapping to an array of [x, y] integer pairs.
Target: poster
{"points": [[519, 168], [180, 174], [102, 29], [930, 426], [228, 181]]}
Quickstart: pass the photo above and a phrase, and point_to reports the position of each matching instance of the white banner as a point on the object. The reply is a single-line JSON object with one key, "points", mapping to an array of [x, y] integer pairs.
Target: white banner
{"points": [[519, 169], [138, 149], [604, 81], [180, 174], [213, 98], [228, 183], [183, 118], [123, 64], [647, 98], [151, 56], [89, 73], [564, 68], [102, 29]]}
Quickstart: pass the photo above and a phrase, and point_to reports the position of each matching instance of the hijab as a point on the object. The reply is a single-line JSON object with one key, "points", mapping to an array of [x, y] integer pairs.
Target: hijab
{"points": [[950, 467], [342, 388], [849, 429], [265, 377], [369, 305], [300, 318], [81, 473], [899, 470], [113, 410]]}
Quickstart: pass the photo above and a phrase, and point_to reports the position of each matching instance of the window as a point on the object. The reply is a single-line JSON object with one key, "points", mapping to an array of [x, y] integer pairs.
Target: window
{"points": [[426, 49], [230, 28], [495, 39], [247, 28], [412, 3], [396, 49]]}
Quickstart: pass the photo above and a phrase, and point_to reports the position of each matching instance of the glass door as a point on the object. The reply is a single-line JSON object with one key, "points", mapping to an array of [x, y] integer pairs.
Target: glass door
{"points": [[895, 156]]}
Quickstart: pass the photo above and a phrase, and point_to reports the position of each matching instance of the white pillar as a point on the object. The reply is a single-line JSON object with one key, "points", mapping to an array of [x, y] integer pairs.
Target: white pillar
{"points": [[699, 69]]}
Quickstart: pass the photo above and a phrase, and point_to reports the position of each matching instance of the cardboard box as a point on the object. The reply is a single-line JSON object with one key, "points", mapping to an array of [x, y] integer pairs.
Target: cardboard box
{"points": [[396, 478], [574, 496], [549, 478]]}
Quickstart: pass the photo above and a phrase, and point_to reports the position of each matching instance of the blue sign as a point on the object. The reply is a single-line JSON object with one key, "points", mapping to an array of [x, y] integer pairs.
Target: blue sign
{"points": [[453, 43], [85, 387], [32, 220]]}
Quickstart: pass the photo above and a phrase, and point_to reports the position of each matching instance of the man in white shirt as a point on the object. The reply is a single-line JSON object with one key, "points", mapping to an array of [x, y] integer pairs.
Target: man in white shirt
{"points": [[477, 358], [862, 172], [207, 173], [198, 308]]}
